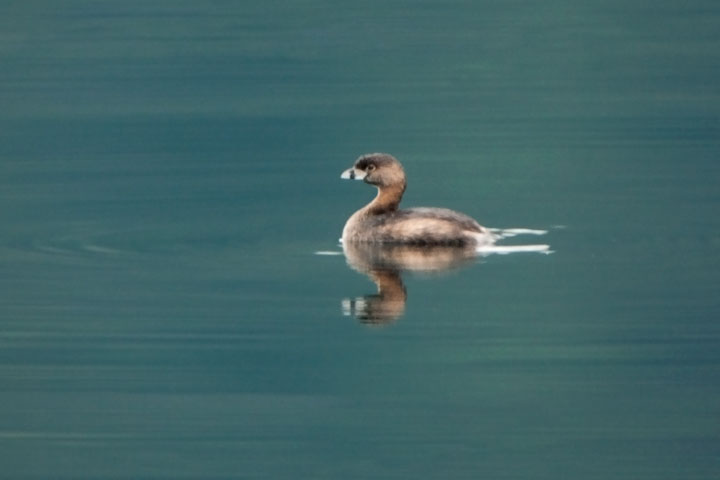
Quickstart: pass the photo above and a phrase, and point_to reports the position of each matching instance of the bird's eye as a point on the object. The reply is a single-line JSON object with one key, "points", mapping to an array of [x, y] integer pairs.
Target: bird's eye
{"points": [[370, 167]]}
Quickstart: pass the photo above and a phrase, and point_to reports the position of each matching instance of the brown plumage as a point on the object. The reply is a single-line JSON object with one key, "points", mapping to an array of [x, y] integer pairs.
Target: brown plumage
{"points": [[382, 222]]}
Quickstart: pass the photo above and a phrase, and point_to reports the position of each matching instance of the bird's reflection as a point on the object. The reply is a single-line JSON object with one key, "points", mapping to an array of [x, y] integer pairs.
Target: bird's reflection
{"points": [[384, 265]]}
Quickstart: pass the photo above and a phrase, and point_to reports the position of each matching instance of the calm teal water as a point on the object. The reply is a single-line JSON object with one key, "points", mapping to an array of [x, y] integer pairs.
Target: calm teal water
{"points": [[168, 170]]}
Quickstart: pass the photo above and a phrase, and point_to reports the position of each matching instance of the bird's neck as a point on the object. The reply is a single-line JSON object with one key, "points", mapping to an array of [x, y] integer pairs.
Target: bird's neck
{"points": [[387, 200]]}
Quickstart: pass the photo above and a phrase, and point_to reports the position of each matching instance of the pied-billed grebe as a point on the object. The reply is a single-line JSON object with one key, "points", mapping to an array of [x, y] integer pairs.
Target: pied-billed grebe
{"points": [[382, 222]]}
